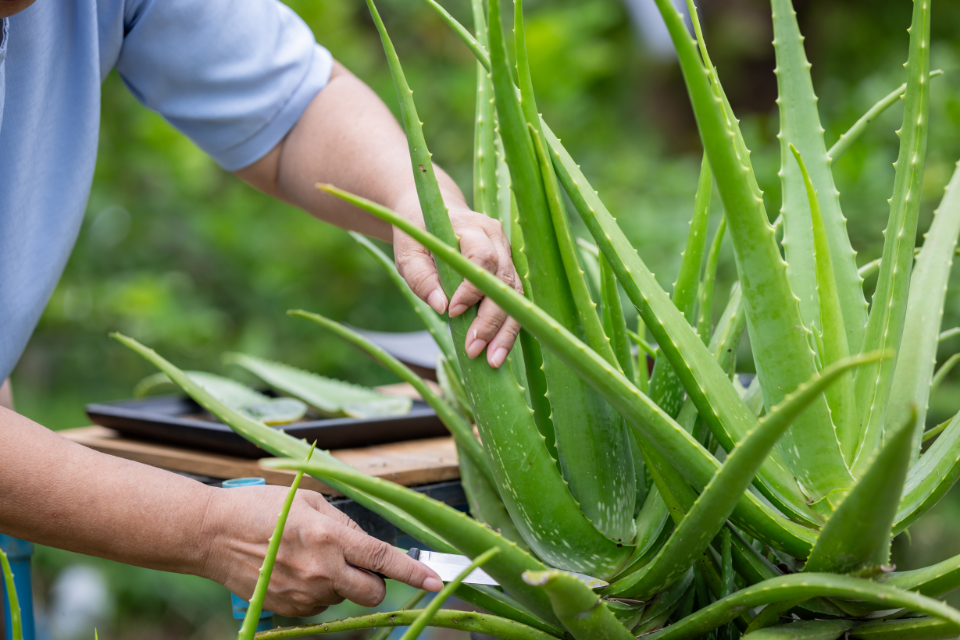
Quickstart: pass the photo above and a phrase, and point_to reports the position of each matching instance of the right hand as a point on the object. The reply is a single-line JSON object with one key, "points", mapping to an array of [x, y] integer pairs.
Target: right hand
{"points": [[312, 571]]}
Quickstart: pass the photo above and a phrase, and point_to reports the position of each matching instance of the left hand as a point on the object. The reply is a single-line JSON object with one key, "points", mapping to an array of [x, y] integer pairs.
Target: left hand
{"points": [[482, 241]]}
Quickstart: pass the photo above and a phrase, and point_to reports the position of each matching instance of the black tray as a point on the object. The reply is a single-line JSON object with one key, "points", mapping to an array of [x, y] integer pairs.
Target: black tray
{"points": [[179, 420]]}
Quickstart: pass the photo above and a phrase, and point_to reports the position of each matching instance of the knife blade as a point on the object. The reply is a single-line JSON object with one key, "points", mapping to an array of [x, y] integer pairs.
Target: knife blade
{"points": [[448, 566]]}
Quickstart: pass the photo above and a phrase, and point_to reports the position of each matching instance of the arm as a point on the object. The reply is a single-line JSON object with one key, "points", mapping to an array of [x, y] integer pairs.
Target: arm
{"points": [[349, 138], [58, 493]]}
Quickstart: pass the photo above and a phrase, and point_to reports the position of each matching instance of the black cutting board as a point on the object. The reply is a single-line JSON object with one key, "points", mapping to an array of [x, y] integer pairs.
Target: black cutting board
{"points": [[178, 420]]}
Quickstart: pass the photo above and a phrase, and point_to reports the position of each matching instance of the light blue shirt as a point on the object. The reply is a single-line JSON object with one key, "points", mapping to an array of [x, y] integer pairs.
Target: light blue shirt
{"points": [[233, 75]]}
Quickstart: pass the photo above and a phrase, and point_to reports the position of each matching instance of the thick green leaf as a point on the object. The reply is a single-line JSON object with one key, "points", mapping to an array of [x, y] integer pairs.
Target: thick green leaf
{"points": [[782, 354], [889, 304], [470, 536], [854, 132], [591, 443], [908, 629], [539, 501], [797, 586], [830, 324], [921, 327], [800, 127], [461, 431], [706, 383], [935, 580], [252, 617], [581, 611], [467, 621], [329, 396], [665, 386], [857, 536], [931, 477], [672, 441], [485, 504], [10, 590], [804, 630], [705, 295], [423, 619], [270, 411], [717, 501]]}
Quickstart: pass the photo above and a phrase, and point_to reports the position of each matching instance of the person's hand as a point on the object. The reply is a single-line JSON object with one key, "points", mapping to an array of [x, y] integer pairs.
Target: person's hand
{"points": [[482, 241], [311, 572]]}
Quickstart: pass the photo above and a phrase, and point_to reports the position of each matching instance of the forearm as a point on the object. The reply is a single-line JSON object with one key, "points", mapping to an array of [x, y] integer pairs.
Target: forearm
{"points": [[58, 493], [349, 138]]}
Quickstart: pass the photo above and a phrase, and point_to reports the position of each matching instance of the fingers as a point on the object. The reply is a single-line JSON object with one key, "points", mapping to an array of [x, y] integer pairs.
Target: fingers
{"points": [[417, 267], [477, 246], [320, 504], [369, 553]]}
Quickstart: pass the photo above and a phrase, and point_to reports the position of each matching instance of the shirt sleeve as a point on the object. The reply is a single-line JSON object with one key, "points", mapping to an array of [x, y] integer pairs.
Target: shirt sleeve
{"points": [[234, 76]]}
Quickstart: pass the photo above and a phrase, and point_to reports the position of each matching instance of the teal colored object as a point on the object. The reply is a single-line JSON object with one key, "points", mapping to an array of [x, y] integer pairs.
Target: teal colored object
{"points": [[239, 604], [19, 553]]}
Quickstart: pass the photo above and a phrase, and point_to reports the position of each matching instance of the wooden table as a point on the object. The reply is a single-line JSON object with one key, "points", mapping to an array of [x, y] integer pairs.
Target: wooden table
{"points": [[412, 463]]}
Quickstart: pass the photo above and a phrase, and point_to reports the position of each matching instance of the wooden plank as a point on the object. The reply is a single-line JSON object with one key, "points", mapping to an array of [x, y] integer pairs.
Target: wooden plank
{"points": [[408, 463]]}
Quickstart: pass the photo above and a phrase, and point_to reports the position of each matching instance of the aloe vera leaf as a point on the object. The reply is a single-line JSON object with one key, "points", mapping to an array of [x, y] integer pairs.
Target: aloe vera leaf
{"points": [[485, 504], [890, 300], [423, 618], [858, 534], [933, 432], [662, 606], [781, 351], [10, 587], [384, 632], [696, 463], [431, 321], [614, 323], [461, 431], [706, 383], [932, 581], [665, 386], [641, 342], [797, 586], [941, 374], [931, 477], [495, 601], [468, 621], [912, 384], [908, 629], [536, 380], [705, 312], [852, 134], [800, 127], [452, 390], [590, 258], [591, 445], [484, 146], [468, 535], [230, 392], [804, 630], [581, 611], [279, 443], [329, 396], [252, 618], [539, 502], [830, 327], [949, 333], [718, 500]]}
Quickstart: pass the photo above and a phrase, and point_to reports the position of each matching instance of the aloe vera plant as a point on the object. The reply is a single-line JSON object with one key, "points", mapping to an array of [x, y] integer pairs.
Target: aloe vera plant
{"points": [[709, 508]]}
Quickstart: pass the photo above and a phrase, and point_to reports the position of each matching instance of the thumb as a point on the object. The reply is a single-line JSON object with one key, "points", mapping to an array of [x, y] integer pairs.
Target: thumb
{"points": [[366, 552], [417, 267]]}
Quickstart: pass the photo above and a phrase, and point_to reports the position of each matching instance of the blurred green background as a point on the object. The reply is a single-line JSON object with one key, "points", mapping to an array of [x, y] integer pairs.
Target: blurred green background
{"points": [[186, 258]]}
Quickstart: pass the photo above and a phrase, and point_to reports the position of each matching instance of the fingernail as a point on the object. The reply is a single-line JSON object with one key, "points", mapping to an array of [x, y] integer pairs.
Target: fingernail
{"points": [[476, 347], [457, 309], [432, 584], [498, 357], [437, 301]]}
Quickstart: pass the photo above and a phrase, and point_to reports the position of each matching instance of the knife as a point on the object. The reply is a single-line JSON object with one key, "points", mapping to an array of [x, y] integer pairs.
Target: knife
{"points": [[448, 566]]}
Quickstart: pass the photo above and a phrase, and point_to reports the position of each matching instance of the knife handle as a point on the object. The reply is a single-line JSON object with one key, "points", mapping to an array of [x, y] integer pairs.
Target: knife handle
{"points": [[413, 553]]}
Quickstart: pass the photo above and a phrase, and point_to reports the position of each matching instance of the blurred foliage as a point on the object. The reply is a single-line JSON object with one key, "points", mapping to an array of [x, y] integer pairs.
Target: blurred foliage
{"points": [[186, 258]]}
